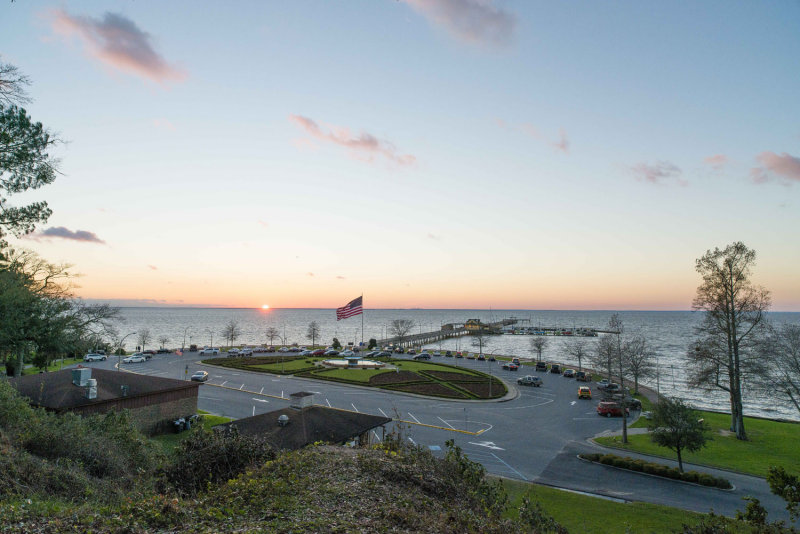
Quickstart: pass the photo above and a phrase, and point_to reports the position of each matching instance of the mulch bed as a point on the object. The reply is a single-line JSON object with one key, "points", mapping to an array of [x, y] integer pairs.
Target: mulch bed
{"points": [[431, 388], [481, 390], [396, 378], [450, 376]]}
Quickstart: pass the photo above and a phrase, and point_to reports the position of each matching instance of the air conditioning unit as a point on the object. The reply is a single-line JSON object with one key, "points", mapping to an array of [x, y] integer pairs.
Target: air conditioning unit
{"points": [[91, 388], [80, 376]]}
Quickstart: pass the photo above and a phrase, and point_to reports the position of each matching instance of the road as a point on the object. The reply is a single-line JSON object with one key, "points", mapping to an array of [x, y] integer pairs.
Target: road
{"points": [[535, 436]]}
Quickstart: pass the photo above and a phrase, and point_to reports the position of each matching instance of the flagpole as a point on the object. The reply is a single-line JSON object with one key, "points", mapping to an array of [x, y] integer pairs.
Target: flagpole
{"points": [[362, 319]]}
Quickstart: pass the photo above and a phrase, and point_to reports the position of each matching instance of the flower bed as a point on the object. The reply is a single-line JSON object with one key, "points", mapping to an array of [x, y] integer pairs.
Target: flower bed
{"points": [[391, 377], [659, 470], [482, 390], [454, 377], [430, 388]]}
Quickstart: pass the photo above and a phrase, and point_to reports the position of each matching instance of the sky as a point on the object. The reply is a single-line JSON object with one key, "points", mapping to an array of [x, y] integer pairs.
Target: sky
{"points": [[423, 153]]}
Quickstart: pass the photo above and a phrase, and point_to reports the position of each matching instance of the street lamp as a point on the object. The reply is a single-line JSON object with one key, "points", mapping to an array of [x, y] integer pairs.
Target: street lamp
{"points": [[212, 336], [184, 338], [119, 346]]}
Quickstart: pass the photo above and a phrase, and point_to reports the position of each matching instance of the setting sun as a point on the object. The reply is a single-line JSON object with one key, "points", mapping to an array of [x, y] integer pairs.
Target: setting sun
{"points": [[265, 306]]}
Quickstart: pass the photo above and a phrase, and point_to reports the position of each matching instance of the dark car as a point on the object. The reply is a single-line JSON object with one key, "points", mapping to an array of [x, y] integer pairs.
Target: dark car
{"points": [[529, 381], [569, 373], [423, 356], [541, 366], [582, 376], [399, 350], [163, 351], [411, 352], [555, 369], [383, 354], [492, 359], [481, 357], [510, 366], [149, 351]]}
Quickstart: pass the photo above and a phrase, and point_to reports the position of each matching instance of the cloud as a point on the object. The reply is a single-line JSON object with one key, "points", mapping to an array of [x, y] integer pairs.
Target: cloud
{"points": [[659, 173], [118, 42], [472, 21], [434, 237], [163, 124], [153, 267], [364, 146], [717, 161], [563, 143], [341, 278], [785, 166], [63, 233], [263, 223], [309, 273]]}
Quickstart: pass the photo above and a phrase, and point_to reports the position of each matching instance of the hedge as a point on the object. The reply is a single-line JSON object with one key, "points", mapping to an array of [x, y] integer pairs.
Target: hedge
{"points": [[659, 470]]}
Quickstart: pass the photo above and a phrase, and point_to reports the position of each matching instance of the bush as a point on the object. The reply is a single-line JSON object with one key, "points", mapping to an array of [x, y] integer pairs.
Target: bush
{"points": [[655, 469]]}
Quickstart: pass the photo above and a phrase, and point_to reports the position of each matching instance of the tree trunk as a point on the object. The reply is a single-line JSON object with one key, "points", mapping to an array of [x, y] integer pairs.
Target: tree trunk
{"points": [[680, 460]]}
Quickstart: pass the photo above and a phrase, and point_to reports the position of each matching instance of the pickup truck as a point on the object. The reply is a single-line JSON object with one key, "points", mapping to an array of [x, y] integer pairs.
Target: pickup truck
{"points": [[209, 350]]}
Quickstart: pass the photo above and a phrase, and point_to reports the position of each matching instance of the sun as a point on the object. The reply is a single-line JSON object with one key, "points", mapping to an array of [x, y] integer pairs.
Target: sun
{"points": [[265, 306]]}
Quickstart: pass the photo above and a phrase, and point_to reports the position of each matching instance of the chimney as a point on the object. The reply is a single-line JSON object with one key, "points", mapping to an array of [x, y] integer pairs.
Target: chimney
{"points": [[91, 388], [81, 375], [301, 400]]}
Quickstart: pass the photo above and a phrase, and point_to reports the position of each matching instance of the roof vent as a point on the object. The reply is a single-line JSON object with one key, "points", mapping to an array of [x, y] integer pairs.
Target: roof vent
{"points": [[81, 375], [124, 390], [283, 420], [301, 400], [91, 388]]}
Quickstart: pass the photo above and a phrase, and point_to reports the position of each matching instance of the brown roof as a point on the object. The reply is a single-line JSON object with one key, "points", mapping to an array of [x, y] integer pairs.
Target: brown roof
{"points": [[307, 426], [57, 392]]}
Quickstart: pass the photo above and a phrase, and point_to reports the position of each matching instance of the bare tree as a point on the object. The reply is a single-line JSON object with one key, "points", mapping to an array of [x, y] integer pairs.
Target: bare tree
{"points": [[312, 332], [399, 328], [480, 338], [163, 340], [603, 356], [272, 333], [782, 357], [12, 85], [725, 350], [231, 332], [143, 338], [538, 344], [639, 360], [577, 350]]}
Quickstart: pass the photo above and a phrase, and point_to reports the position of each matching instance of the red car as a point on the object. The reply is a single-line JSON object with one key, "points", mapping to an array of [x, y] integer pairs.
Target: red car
{"points": [[610, 408], [318, 352], [510, 366]]}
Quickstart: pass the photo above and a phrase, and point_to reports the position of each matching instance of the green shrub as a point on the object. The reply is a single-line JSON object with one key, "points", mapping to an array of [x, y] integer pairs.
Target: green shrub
{"points": [[691, 476]]}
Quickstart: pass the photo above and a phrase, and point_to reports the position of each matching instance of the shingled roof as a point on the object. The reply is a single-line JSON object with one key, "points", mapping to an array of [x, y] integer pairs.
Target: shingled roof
{"points": [[307, 426], [56, 391]]}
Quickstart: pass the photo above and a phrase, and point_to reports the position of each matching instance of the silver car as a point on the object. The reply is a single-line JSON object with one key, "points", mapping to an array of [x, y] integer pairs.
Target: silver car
{"points": [[92, 357]]}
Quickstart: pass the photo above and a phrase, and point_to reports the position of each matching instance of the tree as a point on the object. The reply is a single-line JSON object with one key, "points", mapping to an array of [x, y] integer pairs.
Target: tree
{"points": [[781, 355], [373, 343], [399, 328], [577, 350], [677, 426], [638, 360], [12, 85], [336, 344], [538, 344], [39, 315], [312, 332], [480, 338], [725, 351], [143, 338], [163, 340], [787, 487], [272, 333], [231, 332]]}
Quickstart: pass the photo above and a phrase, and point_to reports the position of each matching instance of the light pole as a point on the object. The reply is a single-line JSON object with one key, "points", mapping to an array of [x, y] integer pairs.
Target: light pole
{"points": [[212, 336], [119, 346], [184, 338]]}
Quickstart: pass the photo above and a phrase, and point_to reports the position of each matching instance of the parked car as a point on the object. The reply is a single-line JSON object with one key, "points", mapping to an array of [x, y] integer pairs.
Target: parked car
{"points": [[329, 352], [609, 409], [602, 384], [209, 350], [383, 354], [246, 352], [492, 358], [584, 392], [347, 352], [613, 387], [318, 352], [423, 356], [144, 355], [284, 349], [411, 352], [568, 373], [306, 353], [232, 353], [200, 376], [399, 350], [510, 366], [555, 369], [541, 366], [470, 355], [459, 354], [529, 381], [136, 358], [515, 361], [582, 376], [149, 351], [162, 350], [481, 357], [93, 357], [449, 354]]}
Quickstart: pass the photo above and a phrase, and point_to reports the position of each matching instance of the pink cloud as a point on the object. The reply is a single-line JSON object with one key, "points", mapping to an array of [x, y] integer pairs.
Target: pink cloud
{"points": [[717, 161], [60, 232], [563, 143], [341, 278], [785, 166], [473, 21], [365, 145], [118, 42], [309, 273], [659, 173], [163, 124], [153, 267], [263, 223]]}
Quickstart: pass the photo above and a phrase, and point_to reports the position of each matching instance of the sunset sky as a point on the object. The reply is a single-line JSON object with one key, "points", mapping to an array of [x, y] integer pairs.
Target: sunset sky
{"points": [[426, 153]]}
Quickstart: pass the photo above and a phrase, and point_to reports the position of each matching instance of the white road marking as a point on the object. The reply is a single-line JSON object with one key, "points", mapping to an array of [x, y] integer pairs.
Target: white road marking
{"points": [[354, 407], [573, 403], [376, 435], [505, 464], [545, 401], [224, 383], [445, 422], [260, 400], [254, 409], [411, 415], [411, 440], [262, 391], [329, 403], [488, 445], [240, 387], [236, 374], [384, 413]]}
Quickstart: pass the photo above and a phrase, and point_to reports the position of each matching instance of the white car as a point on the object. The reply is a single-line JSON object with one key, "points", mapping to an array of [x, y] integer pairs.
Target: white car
{"points": [[246, 352], [347, 353], [209, 350], [233, 352], [94, 357], [284, 349], [136, 358]]}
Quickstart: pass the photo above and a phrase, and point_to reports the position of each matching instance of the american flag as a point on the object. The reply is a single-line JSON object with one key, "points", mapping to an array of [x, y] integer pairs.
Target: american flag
{"points": [[350, 309]]}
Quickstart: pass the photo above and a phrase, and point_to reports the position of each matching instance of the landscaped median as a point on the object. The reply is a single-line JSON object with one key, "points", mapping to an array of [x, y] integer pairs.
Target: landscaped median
{"points": [[422, 378], [658, 470], [769, 443]]}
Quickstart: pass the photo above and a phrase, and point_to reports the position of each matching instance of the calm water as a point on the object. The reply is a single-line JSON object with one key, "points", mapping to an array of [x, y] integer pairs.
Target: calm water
{"points": [[668, 332]]}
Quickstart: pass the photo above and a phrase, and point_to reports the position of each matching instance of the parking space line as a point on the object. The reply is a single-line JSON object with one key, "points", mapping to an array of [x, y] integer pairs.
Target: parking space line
{"points": [[445, 422], [382, 412], [508, 466], [414, 418], [329, 403], [354, 407], [223, 384]]}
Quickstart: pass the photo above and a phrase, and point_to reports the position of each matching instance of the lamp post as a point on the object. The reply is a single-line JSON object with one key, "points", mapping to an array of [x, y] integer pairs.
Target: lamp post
{"points": [[183, 347], [119, 346], [212, 336]]}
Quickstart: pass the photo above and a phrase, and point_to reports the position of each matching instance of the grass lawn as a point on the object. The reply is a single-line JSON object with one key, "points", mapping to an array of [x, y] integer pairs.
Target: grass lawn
{"points": [[168, 442], [351, 375], [585, 514], [770, 443], [55, 366], [289, 365], [417, 366]]}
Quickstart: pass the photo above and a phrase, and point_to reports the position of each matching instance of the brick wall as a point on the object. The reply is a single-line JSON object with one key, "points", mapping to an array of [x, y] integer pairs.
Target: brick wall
{"points": [[158, 418]]}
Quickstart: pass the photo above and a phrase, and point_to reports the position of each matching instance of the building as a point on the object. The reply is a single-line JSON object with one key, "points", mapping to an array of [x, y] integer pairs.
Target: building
{"points": [[154, 403], [303, 423]]}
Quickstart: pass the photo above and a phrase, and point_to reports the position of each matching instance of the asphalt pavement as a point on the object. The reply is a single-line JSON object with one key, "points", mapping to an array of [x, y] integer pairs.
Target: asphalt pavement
{"points": [[535, 436]]}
